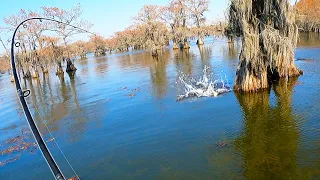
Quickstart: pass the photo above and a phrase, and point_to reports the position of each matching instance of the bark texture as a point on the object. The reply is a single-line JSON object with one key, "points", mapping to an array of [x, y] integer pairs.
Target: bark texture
{"points": [[269, 36]]}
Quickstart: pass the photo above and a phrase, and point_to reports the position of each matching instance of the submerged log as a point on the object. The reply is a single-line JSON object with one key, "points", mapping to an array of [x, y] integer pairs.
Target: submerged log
{"points": [[269, 35]]}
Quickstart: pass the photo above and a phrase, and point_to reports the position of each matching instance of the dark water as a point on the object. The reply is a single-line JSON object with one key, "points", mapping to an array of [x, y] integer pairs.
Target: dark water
{"points": [[118, 118]]}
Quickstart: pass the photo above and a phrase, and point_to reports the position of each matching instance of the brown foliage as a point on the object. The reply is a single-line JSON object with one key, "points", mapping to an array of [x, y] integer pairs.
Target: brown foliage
{"points": [[308, 15], [4, 64], [37, 50], [154, 27]]}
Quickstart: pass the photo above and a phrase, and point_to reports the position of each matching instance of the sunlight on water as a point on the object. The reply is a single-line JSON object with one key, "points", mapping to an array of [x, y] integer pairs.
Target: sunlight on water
{"points": [[206, 86]]}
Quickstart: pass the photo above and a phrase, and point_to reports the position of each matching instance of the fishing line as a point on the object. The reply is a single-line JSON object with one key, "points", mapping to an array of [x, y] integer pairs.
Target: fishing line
{"points": [[25, 93], [54, 140]]}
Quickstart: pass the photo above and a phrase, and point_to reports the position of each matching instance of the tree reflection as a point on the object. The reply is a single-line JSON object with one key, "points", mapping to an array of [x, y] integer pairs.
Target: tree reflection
{"points": [[79, 125], [269, 142], [158, 75], [232, 51], [205, 55], [183, 61], [101, 65], [134, 60], [310, 39], [51, 106], [84, 66], [63, 89]]}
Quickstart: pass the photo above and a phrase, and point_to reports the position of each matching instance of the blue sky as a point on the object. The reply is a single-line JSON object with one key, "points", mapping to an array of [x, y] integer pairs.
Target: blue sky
{"points": [[108, 16]]}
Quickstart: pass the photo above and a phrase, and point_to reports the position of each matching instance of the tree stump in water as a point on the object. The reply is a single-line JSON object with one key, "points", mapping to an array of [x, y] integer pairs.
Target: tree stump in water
{"points": [[34, 74], [186, 45], [44, 69], [175, 46], [154, 54], [83, 55], [70, 66], [200, 41], [11, 79], [230, 40], [59, 68], [269, 36], [27, 75]]}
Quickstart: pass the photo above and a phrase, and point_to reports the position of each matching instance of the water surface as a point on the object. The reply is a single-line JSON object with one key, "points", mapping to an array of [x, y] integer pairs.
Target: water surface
{"points": [[118, 118]]}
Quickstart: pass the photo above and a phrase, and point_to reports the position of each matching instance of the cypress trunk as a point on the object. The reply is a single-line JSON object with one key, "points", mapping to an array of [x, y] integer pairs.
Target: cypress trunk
{"points": [[34, 72], [44, 68], [175, 46], [59, 68], [11, 79], [27, 74], [200, 41], [186, 44], [269, 35], [70, 66]]}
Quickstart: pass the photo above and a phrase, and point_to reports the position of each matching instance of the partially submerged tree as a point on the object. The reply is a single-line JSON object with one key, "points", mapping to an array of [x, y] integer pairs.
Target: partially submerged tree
{"points": [[97, 45], [71, 17], [80, 48], [4, 58], [49, 52], [4, 64], [269, 35], [35, 50], [175, 15], [196, 9], [154, 30], [122, 41]]}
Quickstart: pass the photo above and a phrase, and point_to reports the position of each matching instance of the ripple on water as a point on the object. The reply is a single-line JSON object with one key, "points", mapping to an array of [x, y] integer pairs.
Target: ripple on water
{"points": [[118, 118]]}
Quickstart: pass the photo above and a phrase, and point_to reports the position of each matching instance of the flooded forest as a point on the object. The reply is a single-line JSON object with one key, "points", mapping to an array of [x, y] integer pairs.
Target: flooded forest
{"points": [[175, 95]]}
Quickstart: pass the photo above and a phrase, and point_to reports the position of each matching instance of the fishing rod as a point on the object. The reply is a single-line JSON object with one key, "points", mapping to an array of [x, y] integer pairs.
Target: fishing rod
{"points": [[25, 93]]}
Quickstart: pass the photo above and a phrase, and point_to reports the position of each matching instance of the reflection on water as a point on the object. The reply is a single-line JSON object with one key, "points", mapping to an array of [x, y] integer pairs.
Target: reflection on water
{"points": [[84, 64], [101, 66], [232, 51], [269, 141], [205, 53], [309, 40], [117, 118], [183, 61], [158, 76]]}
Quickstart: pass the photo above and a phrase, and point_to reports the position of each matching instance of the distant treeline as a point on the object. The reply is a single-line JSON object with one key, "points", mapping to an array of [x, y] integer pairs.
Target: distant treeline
{"points": [[153, 28], [308, 15]]}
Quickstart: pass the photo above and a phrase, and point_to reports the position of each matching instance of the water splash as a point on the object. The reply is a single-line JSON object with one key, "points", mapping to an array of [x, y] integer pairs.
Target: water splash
{"points": [[204, 87]]}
